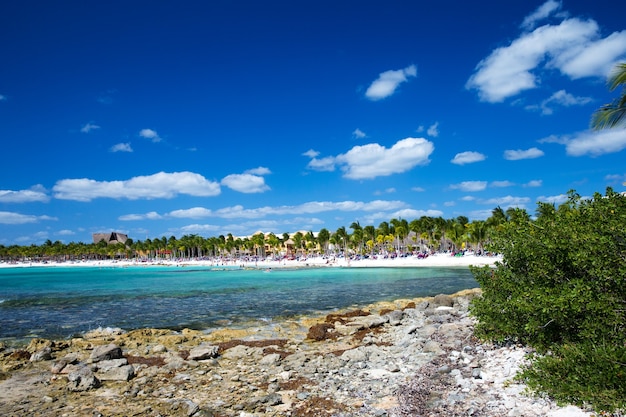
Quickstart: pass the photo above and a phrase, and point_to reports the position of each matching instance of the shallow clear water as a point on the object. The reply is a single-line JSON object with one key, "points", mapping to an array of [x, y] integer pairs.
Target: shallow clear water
{"points": [[61, 302]]}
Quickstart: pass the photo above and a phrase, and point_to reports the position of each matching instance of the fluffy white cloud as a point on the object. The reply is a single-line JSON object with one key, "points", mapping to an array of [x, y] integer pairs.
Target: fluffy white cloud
{"points": [[259, 171], [159, 185], [596, 143], [555, 199], [150, 134], [470, 186], [239, 212], [153, 215], [192, 213], [358, 133], [597, 58], [245, 183], [516, 155], [88, 127], [541, 13], [311, 153], [468, 157], [433, 130], [7, 217], [534, 183], [574, 47], [507, 201], [121, 147], [501, 184], [323, 164], [560, 98], [414, 214], [387, 82], [373, 160], [34, 194]]}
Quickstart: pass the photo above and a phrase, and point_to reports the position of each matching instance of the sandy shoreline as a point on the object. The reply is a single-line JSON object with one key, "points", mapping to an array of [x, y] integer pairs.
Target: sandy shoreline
{"points": [[433, 261]]}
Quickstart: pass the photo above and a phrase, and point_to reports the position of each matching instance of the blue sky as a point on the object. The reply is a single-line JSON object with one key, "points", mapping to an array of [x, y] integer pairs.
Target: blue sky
{"points": [[215, 117]]}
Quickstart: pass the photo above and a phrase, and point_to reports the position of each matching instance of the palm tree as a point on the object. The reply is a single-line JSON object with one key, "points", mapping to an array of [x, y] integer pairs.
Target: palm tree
{"points": [[274, 243], [477, 233], [613, 114], [323, 237], [298, 238], [310, 240], [342, 237], [369, 234], [357, 236]]}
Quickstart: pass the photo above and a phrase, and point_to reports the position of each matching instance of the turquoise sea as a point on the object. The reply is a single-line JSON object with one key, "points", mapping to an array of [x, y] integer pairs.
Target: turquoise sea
{"points": [[62, 302]]}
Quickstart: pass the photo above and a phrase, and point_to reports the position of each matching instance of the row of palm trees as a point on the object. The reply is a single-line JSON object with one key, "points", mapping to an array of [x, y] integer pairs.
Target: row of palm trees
{"points": [[398, 236]]}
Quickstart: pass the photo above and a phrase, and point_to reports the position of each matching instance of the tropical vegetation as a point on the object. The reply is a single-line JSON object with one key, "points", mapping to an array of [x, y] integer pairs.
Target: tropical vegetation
{"points": [[561, 289], [396, 237]]}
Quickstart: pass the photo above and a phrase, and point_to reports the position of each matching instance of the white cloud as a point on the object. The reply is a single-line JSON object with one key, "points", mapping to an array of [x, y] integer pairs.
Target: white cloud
{"points": [[414, 214], [159, 185], [541, 13], [556, 199], [433, 130], [596, 143], [387, 82], [480, 214], [574, 47], [65, 232], [418, 189], [3, 97], [323, 164], [470, 186], [192, 213], [239, 212], [245, 183], [597, 58], [390, 190], [88, 127], [311, 153], [34, 194], [373, 160], [150, 134], [199, 229], [7, 217], [121, 147], [359, 134], [258, 171], [508, 201], [615, 178], [534, 183], [516, 155], [153, 215], [501, 184], [561, 98], [468, 157]]}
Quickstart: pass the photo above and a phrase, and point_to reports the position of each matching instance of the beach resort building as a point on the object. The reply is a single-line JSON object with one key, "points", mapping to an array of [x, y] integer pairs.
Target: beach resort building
{"points": [[110, 238]]}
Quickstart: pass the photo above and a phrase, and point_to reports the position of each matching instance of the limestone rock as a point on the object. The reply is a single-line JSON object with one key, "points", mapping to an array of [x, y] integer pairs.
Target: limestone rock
{"points": [[203, 352], [106, 352], [82, 379], [44, 354]]}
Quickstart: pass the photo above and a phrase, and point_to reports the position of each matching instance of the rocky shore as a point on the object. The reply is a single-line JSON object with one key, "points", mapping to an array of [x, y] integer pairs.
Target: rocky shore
{"points": [[407, 358]]}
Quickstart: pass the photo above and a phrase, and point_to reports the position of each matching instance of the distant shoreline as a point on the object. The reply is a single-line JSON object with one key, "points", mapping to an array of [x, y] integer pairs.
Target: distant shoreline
{"points": [[441, 260]]}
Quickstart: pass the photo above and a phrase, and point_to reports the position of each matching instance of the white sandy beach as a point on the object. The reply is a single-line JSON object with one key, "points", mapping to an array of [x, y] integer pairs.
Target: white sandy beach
{"points": [[432, 261]]}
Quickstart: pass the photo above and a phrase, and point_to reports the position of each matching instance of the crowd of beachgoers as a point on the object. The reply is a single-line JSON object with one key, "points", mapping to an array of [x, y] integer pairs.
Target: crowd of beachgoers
{"points": [[447, 259]]}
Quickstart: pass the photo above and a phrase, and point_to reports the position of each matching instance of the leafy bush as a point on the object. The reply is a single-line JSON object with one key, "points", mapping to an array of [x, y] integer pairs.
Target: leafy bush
{"points": [[560, 288]]}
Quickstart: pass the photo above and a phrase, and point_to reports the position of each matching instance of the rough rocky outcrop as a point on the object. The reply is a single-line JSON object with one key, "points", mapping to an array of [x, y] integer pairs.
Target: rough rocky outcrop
{"points": [[409, 358]]}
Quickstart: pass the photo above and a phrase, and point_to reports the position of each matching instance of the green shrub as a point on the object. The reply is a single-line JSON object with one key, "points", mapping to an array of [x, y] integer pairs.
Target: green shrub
{"points": [[560, 288]]}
